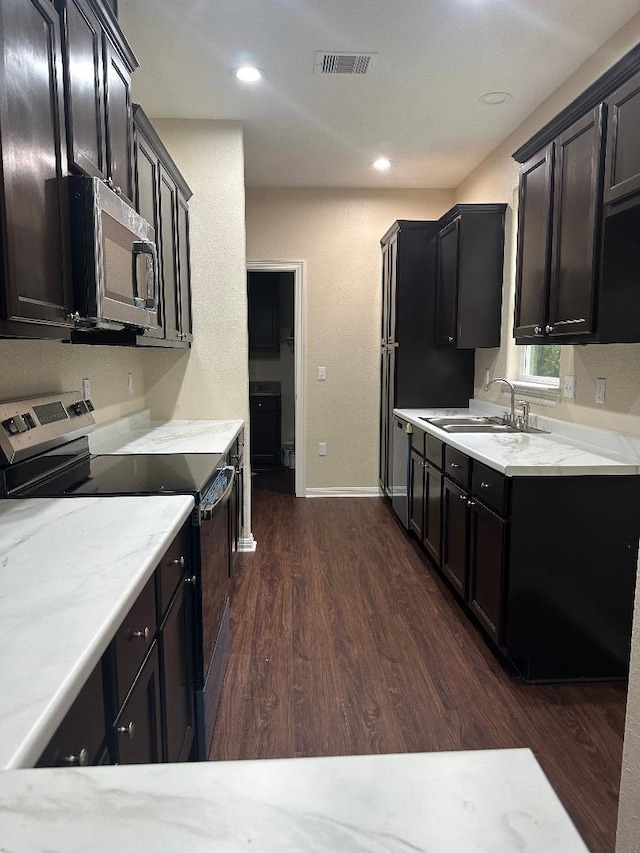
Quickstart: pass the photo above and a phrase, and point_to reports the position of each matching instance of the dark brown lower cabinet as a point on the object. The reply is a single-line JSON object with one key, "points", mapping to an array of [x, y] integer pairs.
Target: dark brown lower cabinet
{"points": [[455, 535], [137, 730], [486, 568], [176, 659], [425, 506]]}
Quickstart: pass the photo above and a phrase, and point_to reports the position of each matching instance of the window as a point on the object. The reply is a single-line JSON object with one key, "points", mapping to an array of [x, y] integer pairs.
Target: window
{"points": [[541, 364]]}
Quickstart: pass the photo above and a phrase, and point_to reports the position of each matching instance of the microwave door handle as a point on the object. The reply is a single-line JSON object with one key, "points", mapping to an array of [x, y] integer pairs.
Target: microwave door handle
{"points": [[145, 247]]}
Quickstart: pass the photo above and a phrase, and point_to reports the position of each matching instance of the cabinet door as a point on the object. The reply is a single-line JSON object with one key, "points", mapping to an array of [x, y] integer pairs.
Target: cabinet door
{"points": [[622, 170], [455, 530], [486, 569], [176, 659], [168, 256], [393, 289], [264, 313], [34, 217], [432, 530], [147, 204], [576, 219], [84, 81], [119, 121], [384, 422], [534, 245], [447, 287], [265, 436], [137, 732], [416, 494], [184, 270]]}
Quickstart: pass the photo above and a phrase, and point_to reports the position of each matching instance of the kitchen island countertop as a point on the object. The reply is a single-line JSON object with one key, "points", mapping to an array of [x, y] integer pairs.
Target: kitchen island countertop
{"points": [[467, 802], [69, 572]]}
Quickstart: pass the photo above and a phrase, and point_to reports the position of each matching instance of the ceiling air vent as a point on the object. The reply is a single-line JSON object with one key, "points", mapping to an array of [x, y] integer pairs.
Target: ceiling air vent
{"points": [[344, 62]]}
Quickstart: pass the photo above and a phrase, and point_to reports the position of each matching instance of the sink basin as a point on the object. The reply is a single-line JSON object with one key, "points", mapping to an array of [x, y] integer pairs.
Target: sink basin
{"points": [[479, 424]]}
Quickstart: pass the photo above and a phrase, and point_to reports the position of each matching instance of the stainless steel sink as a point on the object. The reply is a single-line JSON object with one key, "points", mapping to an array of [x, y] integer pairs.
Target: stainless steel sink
{"points": [[471, 424]]}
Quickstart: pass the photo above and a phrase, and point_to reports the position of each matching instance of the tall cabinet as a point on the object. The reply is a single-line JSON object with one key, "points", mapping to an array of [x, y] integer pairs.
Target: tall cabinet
{"points": [[414, 371]]}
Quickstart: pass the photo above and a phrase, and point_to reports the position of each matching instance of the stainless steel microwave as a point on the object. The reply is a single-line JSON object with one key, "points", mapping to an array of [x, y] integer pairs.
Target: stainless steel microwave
{"points": [[114, 259]]}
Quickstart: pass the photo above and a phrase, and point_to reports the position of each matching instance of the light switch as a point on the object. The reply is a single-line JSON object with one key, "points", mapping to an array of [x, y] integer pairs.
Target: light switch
{"points": [[570, 387], [601, 387], [322, 374]]}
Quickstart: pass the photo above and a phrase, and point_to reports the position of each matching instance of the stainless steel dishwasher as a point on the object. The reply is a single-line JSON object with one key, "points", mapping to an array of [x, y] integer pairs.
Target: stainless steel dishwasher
{"points": [[401, 437]]}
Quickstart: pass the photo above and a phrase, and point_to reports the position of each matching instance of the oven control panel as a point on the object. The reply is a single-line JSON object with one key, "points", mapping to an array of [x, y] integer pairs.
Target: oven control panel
{"points": [[31, 425]]}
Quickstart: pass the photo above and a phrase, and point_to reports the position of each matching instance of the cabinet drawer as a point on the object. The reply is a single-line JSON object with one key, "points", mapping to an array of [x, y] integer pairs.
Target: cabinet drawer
{"points": [[136, 731], [79, 738], [490, 487], [264, 403], [457, 466], [173, 567], [418, 440], [134, 638], [434, 450]]}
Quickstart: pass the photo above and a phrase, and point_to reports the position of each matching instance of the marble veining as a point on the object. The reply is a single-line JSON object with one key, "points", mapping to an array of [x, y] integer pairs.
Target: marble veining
{"points": [[165, 437], [69, 572], [567, 452], [468, 802]]}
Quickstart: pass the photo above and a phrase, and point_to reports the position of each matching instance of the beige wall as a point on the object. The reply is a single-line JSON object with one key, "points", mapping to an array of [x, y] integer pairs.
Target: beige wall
{"points": [[337, 232], [37, 367], [496, 180]]}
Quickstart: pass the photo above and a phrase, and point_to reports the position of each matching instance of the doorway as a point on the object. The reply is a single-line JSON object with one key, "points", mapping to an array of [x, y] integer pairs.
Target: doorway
{"points": [[276, 358]]}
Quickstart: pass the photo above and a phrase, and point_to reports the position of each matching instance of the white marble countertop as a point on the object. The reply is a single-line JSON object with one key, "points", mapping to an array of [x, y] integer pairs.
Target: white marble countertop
{"points": [[69, 572], [485, 801], [567, 450], [139, 434]]}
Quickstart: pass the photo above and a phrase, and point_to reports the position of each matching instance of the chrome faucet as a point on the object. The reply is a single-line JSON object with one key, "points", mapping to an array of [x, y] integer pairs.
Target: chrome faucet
{"points": [[511, 418]]}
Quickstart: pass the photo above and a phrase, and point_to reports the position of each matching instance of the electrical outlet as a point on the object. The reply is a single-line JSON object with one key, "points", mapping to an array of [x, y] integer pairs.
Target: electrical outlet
{"points": [[86, 389], [486, 377], [569, 387], [601, 388], [322, 448], [130, 382], [322, 374]]}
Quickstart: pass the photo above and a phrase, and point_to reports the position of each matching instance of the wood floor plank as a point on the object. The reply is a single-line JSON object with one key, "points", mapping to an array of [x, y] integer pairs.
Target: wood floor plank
{"points": [[345, 640]]}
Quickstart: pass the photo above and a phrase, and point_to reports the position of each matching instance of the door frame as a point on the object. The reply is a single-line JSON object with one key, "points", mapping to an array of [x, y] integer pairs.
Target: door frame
{"points": [[298, 268]]}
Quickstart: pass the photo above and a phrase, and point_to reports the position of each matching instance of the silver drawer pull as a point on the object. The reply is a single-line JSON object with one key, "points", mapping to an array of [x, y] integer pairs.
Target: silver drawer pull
{"points": [[462, 497], [455, 465], [486, 485], [129, 730], [140, 635], [192, 580], [471, 503], [179, 562], [79, 760]]}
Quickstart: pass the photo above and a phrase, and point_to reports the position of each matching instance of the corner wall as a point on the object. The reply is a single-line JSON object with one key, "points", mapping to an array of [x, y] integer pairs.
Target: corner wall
{"points": [[337, 232]]}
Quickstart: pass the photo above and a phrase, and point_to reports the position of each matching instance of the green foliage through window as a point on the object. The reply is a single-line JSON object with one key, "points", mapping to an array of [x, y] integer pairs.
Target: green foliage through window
{"points": [[541, 361]]}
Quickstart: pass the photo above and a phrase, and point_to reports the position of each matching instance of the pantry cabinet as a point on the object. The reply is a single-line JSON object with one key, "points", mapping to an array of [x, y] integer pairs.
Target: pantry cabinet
{"points": [[35, 277]]}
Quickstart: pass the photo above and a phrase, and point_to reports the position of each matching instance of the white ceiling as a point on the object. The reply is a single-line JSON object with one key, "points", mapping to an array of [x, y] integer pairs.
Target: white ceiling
{"points": [[418, 106]]}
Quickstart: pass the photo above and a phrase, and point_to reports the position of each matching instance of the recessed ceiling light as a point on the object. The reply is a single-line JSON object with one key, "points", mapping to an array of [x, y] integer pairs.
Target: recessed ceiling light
{"points": [[382, 164], [492, 99], [247, 73]]}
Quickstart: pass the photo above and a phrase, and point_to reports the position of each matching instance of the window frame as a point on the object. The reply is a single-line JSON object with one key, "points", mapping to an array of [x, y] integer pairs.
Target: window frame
{"points": [[532, 378]]}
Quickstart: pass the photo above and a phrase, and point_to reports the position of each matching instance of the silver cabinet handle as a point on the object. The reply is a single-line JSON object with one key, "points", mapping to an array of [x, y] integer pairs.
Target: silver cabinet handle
{"points": [[79, 760], [462, 497], [537, 330], [450, 339], [548, 329], [485, 485], [192, 580], [455, 464], [129, 730], [471, 503], [141, 635], [179, 562]]}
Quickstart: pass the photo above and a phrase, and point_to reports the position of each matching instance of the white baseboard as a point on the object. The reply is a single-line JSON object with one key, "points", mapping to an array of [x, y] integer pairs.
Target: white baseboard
{"points": [[345, 492], [247, 545]]}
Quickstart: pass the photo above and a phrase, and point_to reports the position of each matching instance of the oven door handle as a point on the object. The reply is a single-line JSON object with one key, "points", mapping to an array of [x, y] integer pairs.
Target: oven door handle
{"points": [[207, 510]]}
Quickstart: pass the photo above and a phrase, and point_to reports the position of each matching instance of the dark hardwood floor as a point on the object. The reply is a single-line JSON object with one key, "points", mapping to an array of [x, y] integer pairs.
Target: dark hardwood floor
{"points": [[346, 641]]}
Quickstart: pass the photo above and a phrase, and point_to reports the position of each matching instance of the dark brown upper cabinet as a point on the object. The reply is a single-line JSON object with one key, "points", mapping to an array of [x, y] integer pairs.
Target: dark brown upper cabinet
{"points": [[162, 197], [98, 67], [622, 172], [35, 284], [264, 310], [558, 231], [470, 272]]}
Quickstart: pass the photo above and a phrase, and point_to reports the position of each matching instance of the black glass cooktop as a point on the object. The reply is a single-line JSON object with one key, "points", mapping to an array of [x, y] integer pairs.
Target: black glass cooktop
{"points": [[153, 474]]}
